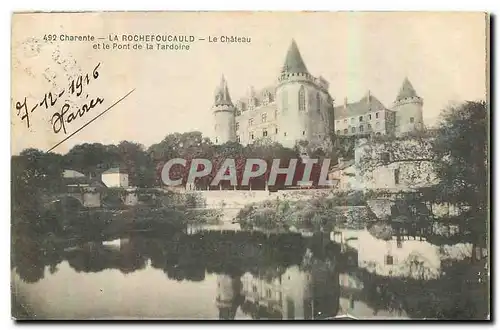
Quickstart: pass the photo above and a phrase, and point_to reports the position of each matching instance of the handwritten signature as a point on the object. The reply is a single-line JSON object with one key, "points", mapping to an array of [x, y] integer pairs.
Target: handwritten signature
{"points": [[50, 99]]}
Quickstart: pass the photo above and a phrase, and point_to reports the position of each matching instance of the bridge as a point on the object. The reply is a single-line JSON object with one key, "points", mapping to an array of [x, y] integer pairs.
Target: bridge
{"points": [[86, 199]]}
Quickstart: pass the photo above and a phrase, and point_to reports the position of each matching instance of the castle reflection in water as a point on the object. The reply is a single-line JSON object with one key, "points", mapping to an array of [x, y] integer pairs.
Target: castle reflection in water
{"points": [[306, 291], [232, 275]]}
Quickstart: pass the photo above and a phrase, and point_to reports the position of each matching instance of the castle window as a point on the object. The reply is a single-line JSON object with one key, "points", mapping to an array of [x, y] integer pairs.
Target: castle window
{"points": [[254, 289], [412, 120], [250, 122], [360, 119], [361, 128], [345, 121], [302, 99], [275, 113], [268, 293], [251, 136], [369, 127], [264, 133], [346, 131], [267, 98], [216, 140], [338, 132], [389, 260], [284, 134], [264, 117], [276, 130], [318, 102], [284, 101], [396, 176], [303, 132], [370, 117], [377, 124], [353, 129], [376, 115], [237, 126]]}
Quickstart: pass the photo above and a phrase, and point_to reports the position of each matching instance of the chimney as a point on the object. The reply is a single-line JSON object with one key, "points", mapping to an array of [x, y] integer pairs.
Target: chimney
{"points": [[345, 102]]}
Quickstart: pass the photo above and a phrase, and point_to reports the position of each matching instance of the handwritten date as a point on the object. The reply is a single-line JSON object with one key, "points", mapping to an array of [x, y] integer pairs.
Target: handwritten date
{"points": [[50, 99]]}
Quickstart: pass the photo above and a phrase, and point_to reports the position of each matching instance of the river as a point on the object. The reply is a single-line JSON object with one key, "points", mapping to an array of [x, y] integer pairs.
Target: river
{"points": [[212, 274]]}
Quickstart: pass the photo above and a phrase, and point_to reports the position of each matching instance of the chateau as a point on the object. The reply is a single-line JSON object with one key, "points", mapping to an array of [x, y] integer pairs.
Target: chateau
{"points": [[299, 107], [370, 116]]}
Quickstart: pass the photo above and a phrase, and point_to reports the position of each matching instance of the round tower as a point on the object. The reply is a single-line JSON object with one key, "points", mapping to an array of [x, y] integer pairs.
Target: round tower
{"points": [[293, 98], [224, 114], [228, 296], [303, 103], [408, 108]]}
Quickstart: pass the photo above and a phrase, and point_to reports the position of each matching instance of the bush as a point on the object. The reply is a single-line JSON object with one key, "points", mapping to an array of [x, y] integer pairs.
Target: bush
{"points": [[381, 230]]}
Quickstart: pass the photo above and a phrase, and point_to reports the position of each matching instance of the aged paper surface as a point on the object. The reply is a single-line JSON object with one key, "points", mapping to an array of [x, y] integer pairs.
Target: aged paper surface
{"points": [[250, 165]]}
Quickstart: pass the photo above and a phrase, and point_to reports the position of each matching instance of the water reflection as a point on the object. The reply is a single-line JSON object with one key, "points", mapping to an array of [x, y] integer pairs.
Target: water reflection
{"points": [[293, 281], [238, 274]]}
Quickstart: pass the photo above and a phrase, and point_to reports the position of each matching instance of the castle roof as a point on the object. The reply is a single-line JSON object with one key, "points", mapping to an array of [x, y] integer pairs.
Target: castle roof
{"points": [[259, 96], [406, 91], [293, 61], [367, 104], [222, 96]]}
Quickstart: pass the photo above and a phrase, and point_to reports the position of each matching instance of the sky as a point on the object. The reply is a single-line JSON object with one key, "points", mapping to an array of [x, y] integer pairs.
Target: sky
{"points": [[442, 54]]}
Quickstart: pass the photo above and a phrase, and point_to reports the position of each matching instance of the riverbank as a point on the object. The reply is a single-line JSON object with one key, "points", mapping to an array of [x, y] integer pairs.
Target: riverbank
{"points": [[98, 224]]}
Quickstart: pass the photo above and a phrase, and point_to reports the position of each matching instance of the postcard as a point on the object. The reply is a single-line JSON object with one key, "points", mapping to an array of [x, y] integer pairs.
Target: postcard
{"points": [[250, 166]]}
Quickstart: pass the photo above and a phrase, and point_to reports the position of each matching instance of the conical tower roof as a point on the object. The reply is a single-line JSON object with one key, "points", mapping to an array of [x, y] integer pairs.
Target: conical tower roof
{"points": [[222, 96], [293, 61], [406, 91]]}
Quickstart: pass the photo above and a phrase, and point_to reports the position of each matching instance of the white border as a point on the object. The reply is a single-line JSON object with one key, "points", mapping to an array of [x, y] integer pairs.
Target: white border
{"points": [[191, 5]]}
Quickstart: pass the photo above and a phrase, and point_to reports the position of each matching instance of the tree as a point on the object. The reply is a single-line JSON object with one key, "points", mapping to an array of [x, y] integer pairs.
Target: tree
{"points": [[137, 162], [187, 146], [34, 175], [92, 158], [461, 146]]}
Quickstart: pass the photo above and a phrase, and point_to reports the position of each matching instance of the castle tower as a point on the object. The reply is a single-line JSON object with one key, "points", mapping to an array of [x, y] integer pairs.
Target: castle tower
{"points": [[228, 296], [295, 85], [224, 114], [408, 108]]}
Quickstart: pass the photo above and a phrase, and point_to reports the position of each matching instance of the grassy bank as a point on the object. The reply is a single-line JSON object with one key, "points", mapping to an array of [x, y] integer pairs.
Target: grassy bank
{"points": [[318, 214]]}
